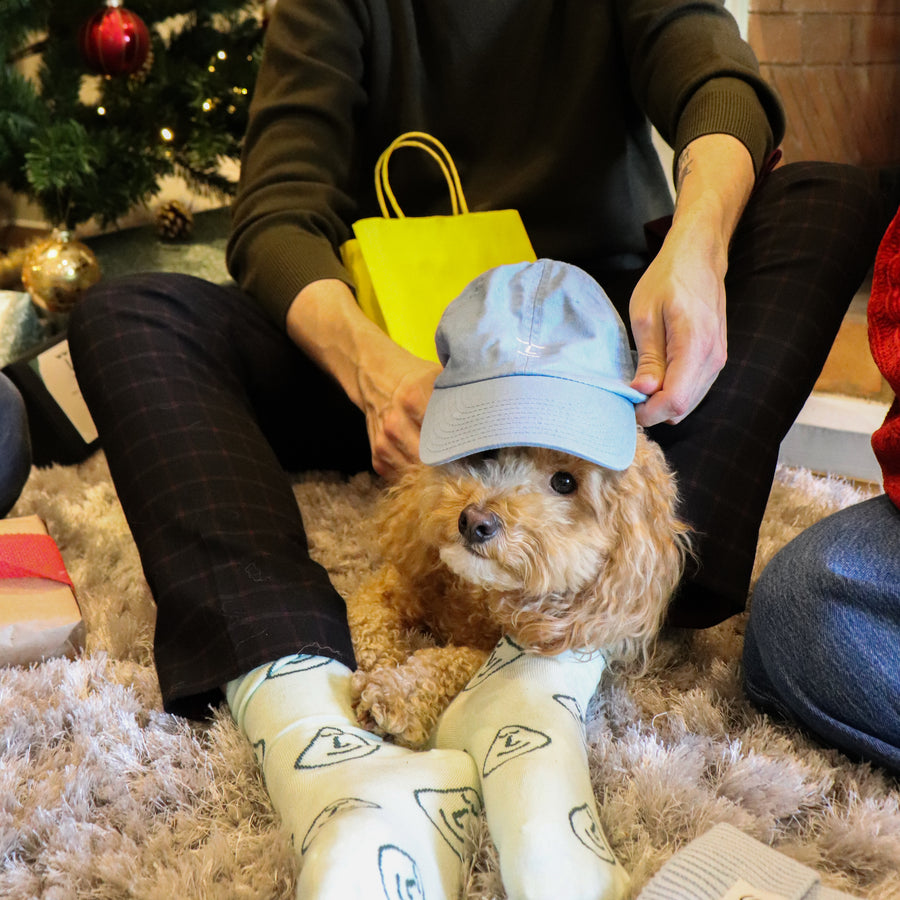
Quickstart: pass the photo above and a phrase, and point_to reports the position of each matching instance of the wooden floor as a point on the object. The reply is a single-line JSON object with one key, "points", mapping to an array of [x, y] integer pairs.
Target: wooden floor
{"points": [[832, 433], [850, 369]]}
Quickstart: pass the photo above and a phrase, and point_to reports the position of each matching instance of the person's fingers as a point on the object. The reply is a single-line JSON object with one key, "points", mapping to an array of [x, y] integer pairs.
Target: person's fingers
{"points": [[394, 424], [695, 362], [649, 332]]}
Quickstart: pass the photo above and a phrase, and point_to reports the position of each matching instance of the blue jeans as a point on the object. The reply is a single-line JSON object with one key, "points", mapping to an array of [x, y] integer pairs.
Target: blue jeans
{"points": [[15, 445], [823, 639]]}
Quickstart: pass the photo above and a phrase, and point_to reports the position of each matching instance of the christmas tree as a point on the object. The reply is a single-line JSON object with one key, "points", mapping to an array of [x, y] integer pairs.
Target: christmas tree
{"points": [[99, 102]]}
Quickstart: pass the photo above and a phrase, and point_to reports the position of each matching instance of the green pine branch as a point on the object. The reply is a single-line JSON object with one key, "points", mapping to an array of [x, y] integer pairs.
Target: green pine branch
{"points": [[84, 146]]}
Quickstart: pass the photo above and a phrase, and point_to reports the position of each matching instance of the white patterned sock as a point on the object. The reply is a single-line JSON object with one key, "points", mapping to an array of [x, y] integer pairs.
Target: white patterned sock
{"points": [[367, 819], [521, 718]]}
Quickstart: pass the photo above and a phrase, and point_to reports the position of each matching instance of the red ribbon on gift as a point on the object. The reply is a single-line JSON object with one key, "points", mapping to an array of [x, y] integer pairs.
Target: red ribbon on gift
{"points": [[32, 556]]}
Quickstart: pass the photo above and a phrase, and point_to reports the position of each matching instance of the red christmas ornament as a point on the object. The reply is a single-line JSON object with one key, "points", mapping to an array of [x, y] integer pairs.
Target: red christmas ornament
{"points": [[114, 41]]}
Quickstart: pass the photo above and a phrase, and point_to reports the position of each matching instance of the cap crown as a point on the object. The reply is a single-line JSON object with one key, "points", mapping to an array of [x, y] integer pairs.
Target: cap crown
{"points": [[545, 318]]}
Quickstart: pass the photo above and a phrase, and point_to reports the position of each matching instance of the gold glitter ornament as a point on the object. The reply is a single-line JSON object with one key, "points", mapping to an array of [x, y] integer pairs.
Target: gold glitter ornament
{"points": [[57, 271]]}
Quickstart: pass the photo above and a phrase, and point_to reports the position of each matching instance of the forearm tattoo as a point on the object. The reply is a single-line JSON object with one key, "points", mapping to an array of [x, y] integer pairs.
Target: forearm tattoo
{"points": [[683, 168]]}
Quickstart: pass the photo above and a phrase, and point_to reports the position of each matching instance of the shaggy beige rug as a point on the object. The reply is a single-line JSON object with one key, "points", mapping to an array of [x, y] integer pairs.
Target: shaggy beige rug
{"points": [[102, 795]]}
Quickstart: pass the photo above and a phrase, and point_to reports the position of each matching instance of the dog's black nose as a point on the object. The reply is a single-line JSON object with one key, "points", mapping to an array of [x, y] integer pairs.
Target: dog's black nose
{"points": [[477, 525]]}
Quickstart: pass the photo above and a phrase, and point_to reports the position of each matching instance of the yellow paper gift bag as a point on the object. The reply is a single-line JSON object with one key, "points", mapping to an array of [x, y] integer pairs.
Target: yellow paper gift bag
{"points": [[408, 269]]}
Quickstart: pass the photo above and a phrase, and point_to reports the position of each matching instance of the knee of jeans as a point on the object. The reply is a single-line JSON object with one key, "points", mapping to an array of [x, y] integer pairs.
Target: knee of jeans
{"points": [[15, 445], [777, 616], [757, 684], [794, 627]]}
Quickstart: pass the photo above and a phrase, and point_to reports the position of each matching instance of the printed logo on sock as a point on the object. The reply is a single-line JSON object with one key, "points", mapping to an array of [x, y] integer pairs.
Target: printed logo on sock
{"points": [[743, 890], [301, 662], [571, 705], [333, 745], [330, 813], [400, 876], [589, 832], [453, 812], [259, 750], [511, 742], [502, 655]]}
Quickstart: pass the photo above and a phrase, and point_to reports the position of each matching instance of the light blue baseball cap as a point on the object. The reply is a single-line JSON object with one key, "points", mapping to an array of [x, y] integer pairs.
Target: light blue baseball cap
{"points": [[534, 355]]}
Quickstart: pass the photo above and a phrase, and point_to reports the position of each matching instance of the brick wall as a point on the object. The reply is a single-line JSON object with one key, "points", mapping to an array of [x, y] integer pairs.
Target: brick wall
{"points": [[836, 64]]}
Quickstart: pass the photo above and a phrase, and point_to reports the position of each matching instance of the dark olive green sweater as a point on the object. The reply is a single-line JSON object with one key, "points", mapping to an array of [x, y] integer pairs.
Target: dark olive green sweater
{"points": [[542, 103]]}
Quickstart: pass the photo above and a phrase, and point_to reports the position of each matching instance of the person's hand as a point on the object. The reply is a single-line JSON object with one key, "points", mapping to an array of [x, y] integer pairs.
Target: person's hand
{"points": [[678, 320], [678, 307], [394, 395], [389, 384]]}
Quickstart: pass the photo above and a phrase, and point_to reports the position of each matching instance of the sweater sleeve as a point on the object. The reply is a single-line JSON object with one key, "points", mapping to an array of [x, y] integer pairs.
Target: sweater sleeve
{"points": [[884, 339], [295, 197], [694, 75]]}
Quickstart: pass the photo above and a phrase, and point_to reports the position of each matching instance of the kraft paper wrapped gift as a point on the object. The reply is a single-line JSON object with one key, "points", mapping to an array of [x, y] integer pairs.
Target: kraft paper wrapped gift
{"points": [[39, 615]]}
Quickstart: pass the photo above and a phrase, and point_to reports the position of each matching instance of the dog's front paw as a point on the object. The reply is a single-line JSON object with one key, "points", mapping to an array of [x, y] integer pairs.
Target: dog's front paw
{"points": [[384, 701]]}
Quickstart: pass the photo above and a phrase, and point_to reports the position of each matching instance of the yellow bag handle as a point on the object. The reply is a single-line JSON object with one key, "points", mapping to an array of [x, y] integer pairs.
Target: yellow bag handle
{"points": [[434, 148]]}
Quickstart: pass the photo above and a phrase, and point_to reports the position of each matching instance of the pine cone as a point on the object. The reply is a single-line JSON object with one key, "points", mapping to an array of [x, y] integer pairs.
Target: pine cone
{"points": [[174, 221]]}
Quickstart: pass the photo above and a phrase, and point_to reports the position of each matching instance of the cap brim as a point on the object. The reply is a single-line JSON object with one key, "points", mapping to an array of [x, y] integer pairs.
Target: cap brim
{"points": [[531, 411]]}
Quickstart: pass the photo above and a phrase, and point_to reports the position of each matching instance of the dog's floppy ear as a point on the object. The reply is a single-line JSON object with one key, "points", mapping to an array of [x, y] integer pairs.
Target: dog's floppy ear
{"points": [[402, 523], [623, 611]]}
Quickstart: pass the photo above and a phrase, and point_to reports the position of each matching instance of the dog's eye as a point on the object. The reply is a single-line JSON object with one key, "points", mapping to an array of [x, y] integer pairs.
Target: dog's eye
{"points": [[563, 483]]}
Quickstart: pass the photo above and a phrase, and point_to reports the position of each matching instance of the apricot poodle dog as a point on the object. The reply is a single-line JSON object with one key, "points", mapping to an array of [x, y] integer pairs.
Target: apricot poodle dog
{"points": [[551, 550]]}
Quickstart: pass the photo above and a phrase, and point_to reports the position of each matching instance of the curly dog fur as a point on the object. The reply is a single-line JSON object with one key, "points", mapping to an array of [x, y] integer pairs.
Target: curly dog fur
{"points": [[556, 552]]}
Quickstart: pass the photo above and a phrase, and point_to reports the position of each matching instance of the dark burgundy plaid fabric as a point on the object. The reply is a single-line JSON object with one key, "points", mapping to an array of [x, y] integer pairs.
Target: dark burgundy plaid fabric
{"points": [[203, 405]]}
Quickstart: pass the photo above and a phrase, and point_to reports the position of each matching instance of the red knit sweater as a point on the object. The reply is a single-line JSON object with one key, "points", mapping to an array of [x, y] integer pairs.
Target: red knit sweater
{"points": [[884, 339]]}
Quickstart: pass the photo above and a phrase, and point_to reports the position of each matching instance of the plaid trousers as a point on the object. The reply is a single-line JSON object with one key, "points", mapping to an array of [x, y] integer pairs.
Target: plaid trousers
{"points": [[204, 405]]}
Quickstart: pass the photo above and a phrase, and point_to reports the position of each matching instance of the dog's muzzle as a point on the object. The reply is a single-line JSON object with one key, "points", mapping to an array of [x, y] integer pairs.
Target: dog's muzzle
{"points": [[478, 525]]}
